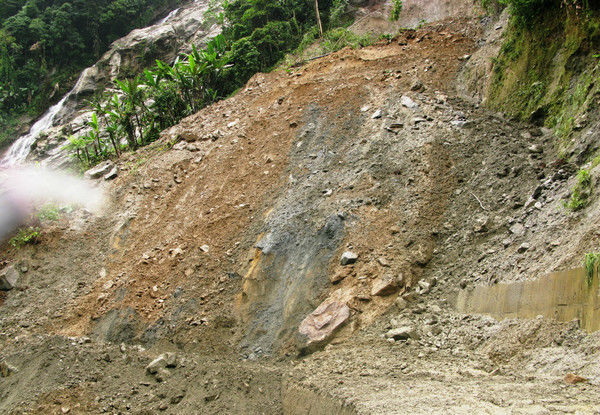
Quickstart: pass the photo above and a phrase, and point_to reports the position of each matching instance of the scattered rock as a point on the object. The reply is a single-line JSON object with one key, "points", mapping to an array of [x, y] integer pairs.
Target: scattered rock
{"points": [[523, 247], [112, 174], [348, 258], [517, 229], [417, 86], [8, 278], [6, 370], [423, 287], [458, 123], [340, 275], [377, 114], [385, 285], [100, 170], [383, 262], [407, 102], [401, 303], [402, 333], [573, 379], [394, 229], [163, 361]]}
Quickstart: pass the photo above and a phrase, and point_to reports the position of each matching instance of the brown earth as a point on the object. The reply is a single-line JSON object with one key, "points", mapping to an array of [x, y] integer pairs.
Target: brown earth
{"points": [[219, 239]]}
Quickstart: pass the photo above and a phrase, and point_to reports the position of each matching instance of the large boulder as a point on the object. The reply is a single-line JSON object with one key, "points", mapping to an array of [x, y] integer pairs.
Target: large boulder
{"points": [[319, 326], [100, 170], [9, 278]]}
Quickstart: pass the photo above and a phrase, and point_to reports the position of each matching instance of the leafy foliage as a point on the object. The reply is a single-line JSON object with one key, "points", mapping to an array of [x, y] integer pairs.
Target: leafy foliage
{"points": [[257, 35], [44, 42], [396, 9], [24, 236]]}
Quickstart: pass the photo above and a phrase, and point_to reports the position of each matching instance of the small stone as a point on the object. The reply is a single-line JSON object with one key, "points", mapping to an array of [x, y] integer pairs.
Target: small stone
{"points": [[320, 325], [402, 333], [458, 123], [377, 114], [407, 102], [177, 398], [383, 262], [423, 287], [394, 230], [348, 258], [204, 248], [162, 375], [65, 409], [417, 86], [517, 229], [523, 247], [401, 303], [535, 149], [112, 174], [6, 370], [384, 286], [573, 379], [164, 360]]}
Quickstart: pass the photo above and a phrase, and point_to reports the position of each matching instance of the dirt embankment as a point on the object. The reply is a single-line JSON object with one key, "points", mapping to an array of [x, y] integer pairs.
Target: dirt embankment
{"points": [[224, 235]]}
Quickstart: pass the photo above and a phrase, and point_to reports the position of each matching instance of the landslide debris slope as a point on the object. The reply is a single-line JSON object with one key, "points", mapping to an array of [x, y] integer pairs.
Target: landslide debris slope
{"points": [[222, 237]]}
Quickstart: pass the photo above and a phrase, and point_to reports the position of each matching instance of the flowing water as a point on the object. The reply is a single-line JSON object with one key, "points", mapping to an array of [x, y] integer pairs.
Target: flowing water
{"points": [[168, 17], [18, 151]]}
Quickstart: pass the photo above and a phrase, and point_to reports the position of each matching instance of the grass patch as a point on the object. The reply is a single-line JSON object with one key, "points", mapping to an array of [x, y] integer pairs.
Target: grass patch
{"points": [[590, 262], [580, 196], [48, 213]]}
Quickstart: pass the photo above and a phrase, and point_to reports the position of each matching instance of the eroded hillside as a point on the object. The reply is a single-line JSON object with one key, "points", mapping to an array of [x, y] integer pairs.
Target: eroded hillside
{"points": [[222, 237]]}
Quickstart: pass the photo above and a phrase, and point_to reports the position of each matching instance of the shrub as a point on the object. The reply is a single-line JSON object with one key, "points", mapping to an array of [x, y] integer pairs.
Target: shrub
{"points": [[396, 9], [24, 236]]}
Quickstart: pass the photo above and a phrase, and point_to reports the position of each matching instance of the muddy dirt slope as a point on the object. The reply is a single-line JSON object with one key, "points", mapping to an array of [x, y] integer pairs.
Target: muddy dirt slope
{"points": [[359, 185]]}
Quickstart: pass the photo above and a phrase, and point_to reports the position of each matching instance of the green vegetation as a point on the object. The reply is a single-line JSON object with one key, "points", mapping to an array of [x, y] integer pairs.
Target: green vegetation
{"points": [[43, 43], [590, 262], [256, 36], [581, 192], [545, 71], [48, 213], [396, 9], [24, 236]]}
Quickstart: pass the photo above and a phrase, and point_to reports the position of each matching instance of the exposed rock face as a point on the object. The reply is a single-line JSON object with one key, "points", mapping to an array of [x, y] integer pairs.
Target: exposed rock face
{"points": [[130, 54]]}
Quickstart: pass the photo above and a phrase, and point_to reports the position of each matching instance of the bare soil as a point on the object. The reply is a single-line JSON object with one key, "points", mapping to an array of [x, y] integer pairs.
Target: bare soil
{"points": [[221, 237]]}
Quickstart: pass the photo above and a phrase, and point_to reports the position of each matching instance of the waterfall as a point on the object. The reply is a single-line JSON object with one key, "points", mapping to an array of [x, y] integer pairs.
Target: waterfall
{"points": [[19, 150], [168, 17]]}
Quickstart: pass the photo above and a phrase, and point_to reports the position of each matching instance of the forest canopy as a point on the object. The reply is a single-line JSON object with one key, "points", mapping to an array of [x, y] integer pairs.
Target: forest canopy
{"points": [[43, 43]]}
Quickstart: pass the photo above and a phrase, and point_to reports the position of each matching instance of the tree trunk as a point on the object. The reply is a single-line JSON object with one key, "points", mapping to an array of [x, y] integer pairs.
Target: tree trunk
{"points": [[318, 18]]}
